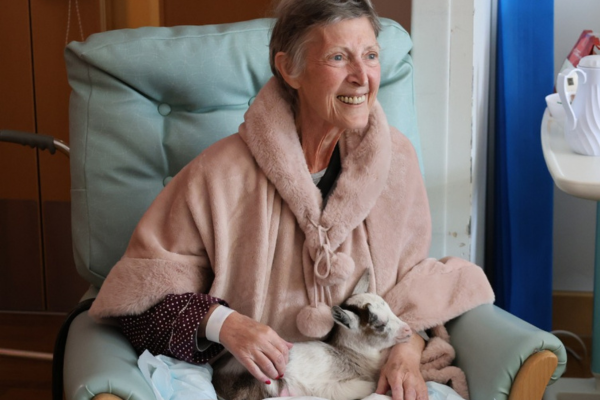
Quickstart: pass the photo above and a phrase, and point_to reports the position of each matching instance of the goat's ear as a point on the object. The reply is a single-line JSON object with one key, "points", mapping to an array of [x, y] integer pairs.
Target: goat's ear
{"points": [[363, 283], [344, 317]]}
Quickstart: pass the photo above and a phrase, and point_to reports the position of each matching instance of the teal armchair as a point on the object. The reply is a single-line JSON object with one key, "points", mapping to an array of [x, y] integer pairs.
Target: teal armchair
{"points": [[144, 103]]}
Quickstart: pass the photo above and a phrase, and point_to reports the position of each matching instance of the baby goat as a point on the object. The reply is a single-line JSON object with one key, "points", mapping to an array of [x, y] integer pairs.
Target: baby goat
{"points": [[344, 367]]}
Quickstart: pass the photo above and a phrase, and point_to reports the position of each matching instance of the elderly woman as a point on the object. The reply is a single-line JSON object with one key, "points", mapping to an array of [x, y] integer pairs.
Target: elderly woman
{"points": [[250, 245]]}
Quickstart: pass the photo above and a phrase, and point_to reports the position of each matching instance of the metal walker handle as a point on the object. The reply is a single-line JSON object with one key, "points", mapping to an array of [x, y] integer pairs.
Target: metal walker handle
{"points": [[35, 140]]}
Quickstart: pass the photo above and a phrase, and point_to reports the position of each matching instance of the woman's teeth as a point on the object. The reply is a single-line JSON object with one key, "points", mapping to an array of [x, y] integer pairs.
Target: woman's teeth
{"points": [[353, 100]]}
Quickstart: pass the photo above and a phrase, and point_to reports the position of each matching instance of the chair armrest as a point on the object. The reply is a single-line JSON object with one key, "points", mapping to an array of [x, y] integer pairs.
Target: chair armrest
{"points": [[491, 347], [99, 359]]}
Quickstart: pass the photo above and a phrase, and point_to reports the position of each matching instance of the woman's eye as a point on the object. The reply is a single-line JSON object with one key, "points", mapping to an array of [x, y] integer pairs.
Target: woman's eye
{"points": [[372, 56], [337, 57]]}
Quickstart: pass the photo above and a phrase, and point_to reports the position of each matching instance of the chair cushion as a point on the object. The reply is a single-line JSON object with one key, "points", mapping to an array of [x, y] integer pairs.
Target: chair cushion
{"points": [[147, 101]]}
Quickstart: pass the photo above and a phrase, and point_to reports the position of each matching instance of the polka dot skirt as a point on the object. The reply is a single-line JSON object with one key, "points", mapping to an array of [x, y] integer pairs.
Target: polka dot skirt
{"points": [[170, 327]]}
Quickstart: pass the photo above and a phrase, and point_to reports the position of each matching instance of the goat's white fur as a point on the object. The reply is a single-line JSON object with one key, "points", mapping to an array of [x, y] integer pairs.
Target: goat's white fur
{"points": [[345, 367]]}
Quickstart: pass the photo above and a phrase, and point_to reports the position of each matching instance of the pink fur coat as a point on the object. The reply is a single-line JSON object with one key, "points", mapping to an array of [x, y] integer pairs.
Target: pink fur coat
{"points": [[244, 222]]}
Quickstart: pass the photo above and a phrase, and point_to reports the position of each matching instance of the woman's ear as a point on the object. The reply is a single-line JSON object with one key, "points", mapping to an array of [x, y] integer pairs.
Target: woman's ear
{"points": [[284, 66]]}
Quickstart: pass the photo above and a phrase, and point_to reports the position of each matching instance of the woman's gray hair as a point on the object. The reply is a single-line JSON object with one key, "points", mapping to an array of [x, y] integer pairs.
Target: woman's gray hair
{"points": [[296, 18]]}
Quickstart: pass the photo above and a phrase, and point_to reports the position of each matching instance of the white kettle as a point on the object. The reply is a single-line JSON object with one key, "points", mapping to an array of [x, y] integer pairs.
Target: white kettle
{"points": [[582, 124]]}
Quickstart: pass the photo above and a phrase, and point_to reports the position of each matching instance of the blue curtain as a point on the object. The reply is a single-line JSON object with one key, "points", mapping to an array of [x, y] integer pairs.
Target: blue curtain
{"points": [[523, 201]]}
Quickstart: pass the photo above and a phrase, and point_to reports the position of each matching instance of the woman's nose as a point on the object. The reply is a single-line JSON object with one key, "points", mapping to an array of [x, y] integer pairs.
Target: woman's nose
{"points": [[358, 74]]}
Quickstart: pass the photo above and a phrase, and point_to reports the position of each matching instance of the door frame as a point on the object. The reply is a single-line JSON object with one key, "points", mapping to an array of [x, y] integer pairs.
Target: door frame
{"points": [[452, 57]]}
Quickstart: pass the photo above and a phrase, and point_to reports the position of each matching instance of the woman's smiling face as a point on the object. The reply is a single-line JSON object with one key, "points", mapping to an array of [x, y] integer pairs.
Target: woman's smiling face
{"points": [[339, 84]]}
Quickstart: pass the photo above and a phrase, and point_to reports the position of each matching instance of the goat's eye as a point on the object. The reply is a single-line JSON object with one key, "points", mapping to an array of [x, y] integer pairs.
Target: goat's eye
{"points": [[379, 327]]}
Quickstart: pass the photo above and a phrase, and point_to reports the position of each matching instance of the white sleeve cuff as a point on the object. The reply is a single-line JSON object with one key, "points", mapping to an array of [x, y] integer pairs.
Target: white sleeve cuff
{"points": [[215, 322]]}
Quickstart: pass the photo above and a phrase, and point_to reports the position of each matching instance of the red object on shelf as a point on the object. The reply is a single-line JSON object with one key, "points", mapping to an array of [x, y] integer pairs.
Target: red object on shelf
{"points": [[588, 43]]}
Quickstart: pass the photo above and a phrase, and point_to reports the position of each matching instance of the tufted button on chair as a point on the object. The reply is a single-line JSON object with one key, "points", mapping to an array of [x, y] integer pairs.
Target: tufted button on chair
{"points": [[144, 103]]}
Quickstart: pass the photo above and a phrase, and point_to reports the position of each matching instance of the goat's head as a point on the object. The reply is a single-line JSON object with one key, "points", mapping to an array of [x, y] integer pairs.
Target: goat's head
{"points": [[368, 319]]}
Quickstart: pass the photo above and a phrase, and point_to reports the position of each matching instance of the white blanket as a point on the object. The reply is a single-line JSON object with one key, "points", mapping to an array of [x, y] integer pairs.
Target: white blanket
{"points": [[173, 379]]}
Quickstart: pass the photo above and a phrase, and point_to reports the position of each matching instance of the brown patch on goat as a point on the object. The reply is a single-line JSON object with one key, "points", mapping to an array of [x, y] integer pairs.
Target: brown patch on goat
{"points": [[366, 317], [362, 312]]}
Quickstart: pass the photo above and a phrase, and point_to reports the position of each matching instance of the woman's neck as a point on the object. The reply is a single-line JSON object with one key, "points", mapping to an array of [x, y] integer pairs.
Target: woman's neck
{"points": [[318, 142], [318, 148]]}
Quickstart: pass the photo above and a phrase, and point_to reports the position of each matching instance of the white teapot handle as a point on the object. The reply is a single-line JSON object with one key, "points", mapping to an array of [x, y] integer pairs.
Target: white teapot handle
{"points": [[564, 98]]}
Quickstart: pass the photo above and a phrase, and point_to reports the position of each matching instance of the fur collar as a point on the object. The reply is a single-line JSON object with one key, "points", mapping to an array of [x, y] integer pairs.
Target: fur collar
{"points": [[270, 133]]}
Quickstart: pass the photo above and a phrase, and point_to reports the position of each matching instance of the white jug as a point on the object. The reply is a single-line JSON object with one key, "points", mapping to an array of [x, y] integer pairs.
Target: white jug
{"points": [[582, 124]]}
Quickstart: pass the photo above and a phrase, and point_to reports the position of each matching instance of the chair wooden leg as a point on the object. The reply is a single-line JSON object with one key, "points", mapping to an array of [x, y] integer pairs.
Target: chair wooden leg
{"points": [[533, 377], [106, 396]]}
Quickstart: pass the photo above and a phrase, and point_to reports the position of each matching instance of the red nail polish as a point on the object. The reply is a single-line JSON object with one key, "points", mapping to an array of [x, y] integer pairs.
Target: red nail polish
{"points": [[268, 382], [280, 376]]}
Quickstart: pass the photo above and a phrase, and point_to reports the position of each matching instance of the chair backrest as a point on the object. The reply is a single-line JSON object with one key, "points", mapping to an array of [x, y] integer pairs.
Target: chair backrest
{"points": [[147, 101]]}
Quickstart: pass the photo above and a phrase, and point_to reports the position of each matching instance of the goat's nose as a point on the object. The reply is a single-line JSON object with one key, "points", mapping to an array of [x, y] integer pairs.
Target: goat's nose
{"points": [[404, 333]]}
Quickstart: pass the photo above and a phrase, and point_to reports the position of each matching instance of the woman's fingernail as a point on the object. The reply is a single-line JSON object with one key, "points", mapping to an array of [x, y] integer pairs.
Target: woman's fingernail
{"points": [[280, 376], [268, 382]]}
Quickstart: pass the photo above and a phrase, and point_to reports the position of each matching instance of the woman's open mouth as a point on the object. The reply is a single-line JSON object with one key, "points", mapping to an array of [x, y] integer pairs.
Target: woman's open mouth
{"points": [[353, 99]]}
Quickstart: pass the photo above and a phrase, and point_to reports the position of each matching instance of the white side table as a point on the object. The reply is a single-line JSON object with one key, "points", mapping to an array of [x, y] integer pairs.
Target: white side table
{"points": [[577, 175]]}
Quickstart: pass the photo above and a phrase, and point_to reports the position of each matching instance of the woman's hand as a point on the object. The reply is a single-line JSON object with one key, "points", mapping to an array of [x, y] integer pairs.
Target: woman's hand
{"points": [[401, 374], [256, 346]]}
